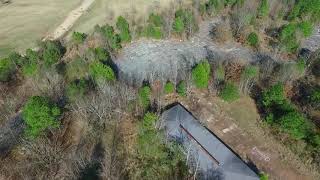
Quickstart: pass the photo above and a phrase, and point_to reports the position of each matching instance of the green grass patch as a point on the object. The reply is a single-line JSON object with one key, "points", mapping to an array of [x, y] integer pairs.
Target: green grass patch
{"points": [[230, 92], [253, 39]]}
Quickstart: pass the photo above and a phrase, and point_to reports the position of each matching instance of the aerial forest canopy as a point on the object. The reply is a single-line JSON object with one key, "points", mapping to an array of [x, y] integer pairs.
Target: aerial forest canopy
{"points": [[88, 106]]}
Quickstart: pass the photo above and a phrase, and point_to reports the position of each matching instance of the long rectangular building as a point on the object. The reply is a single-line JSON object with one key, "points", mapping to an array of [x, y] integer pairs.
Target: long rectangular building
{"points": [[206, 153]]}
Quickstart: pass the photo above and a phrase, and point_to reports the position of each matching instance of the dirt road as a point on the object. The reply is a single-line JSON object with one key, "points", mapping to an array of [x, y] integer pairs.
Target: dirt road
{"points": [[69, 21]]}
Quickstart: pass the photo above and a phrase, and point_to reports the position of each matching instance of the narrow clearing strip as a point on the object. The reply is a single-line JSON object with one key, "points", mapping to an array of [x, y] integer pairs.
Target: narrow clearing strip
{"points": [[69, 21]]}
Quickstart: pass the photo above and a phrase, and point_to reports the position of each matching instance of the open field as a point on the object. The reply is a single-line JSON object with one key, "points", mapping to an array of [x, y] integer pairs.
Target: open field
{"points": [[23, 22], [26, 23], [106, 11]]}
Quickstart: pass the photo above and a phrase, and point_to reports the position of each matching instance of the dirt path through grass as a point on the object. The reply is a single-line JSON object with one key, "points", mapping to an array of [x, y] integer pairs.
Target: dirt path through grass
{"points": [[69, 21]]}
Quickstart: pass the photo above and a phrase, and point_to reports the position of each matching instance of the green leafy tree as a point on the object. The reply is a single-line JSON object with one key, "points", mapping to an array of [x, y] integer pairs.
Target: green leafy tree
{"points": [[157, 160], [182, 88], [230, 92], [40, 114], [263, 9], [99, 70], [201, 74], [273, 95], [52, 52], [123, 26], [184, 22], [169, 88], [113, 40], [253, 39], [149, 122], [7, 69], [78, 37], [144, 96]]}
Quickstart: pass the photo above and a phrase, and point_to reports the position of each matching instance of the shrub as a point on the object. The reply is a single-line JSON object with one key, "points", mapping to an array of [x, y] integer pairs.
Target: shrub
{"points": [[101, 54], [230, 92], [7, 69], [155, 20], [99, 70], [114, 40], [153, 32], [231, 2], [149, 121], [52, 52], [263, 9], [76, 89], [182, 88], [123, 26], [144, 96], [169, 88], [157, 160], [294, 123], [315, 96], [288, 37], [264, 176], [213, 6], [306, 8], [77, 68], [250, 72], [306, 28], [78, 37], [301, 66], [253, 39], [220, 73], [40, 114], [273, 95], [30, 63], [184, 20], [178, 25], [201, 74], [16, 58]]}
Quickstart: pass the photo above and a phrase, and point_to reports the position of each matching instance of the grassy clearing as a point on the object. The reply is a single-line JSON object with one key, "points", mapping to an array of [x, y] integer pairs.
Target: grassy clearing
{"points": [[25, 22], [106, 11]]}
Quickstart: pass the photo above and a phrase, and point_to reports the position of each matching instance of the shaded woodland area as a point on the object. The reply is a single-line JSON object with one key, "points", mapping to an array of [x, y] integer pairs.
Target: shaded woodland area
{"points": [[66, 112]]}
